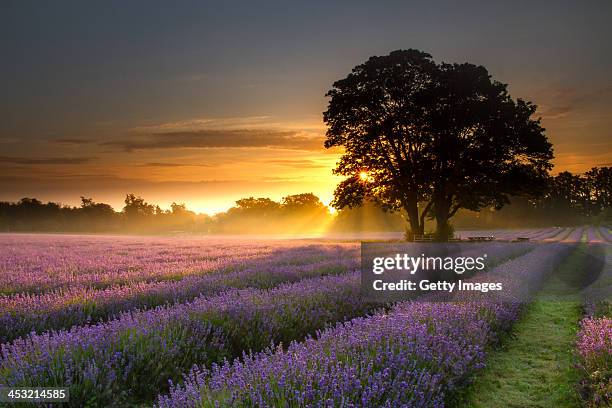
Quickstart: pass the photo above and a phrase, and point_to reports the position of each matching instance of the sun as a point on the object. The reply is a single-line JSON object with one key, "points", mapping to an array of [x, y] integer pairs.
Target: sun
{"points": [[364, 176]]}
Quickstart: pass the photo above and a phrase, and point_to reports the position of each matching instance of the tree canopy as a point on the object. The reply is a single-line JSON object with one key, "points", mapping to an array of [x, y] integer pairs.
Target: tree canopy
{"points": [[432, 138]]}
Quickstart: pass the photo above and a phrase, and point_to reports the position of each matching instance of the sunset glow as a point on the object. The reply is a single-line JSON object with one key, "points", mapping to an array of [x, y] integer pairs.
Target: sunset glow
{"points": [[177, 115], [364, 176]]}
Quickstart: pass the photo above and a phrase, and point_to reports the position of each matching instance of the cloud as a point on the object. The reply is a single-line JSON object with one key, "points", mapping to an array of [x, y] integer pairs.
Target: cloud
{"points": [[309, 125], [556, 112], [45, 160], [207, 123], [566, 101], [69, 140], [297, 163], [277, 179], [160, 164], [228, 138]]}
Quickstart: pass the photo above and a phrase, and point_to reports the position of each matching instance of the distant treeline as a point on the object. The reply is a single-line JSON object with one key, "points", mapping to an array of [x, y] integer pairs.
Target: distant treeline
{"points": [[294, 213], [569, 200]]}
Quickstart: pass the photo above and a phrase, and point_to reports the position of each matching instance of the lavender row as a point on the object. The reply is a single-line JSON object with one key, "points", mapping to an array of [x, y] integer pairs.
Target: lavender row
{"points": [[597, 296], [551, 234], [224, 325], [107, 362], [575, 235], [44, 263], [417, 355], [22, 314], [560, 236], [532, 234], [594, 339], [606, 234], [592, 236]]}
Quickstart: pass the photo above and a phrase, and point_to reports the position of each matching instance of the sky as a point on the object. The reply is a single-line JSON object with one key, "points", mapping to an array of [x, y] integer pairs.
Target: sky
{"points": [[206, 102]]}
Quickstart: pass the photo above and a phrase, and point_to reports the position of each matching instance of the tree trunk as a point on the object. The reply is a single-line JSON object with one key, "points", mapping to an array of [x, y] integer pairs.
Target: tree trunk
{"points": [[442, 214], [416, 227], [412, 210]]}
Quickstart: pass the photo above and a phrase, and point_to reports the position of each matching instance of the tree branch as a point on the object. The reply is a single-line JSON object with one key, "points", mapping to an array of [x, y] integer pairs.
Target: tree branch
{"points": [[425, 211], [454, 210]]}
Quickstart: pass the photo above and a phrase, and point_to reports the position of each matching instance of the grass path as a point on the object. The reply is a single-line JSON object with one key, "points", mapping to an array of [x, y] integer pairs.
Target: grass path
{"points": [[535, 367]]}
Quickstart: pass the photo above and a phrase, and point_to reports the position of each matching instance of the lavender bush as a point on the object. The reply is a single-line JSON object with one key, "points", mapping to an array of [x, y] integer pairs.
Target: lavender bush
{"points": [[21, 314], [416, 355], [33, 263], [175, 337], [408, 357], [594, 340], [595, 352], [132, 358]]}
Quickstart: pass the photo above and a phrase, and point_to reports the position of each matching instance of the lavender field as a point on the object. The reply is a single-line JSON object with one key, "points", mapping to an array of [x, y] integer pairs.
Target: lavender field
{"points": [[190, 321]]}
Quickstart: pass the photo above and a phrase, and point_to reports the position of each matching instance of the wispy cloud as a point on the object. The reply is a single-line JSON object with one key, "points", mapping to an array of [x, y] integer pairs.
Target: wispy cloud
{"points": [[45, 160], [297, 163], [307, 125], [197, 124], [276, 179], [565, 101], [161, 164], [72, 141], [229, 138]]}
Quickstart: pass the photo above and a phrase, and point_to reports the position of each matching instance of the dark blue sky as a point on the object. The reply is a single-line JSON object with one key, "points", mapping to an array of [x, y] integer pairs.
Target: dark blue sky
{"points": [[78, 76]]}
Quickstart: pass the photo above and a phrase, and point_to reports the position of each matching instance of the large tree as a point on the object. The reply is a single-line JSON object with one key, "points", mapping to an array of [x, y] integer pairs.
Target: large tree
{"points": [[429, 139]]}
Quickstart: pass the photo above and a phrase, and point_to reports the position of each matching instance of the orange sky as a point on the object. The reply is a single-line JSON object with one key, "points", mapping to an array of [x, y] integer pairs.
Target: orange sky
{"points": [[207, 103], [210, 178]]}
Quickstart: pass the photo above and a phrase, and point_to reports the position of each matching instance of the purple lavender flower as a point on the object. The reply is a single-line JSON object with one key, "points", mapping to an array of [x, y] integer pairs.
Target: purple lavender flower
{"points": [[416, 355], [109, 361]]}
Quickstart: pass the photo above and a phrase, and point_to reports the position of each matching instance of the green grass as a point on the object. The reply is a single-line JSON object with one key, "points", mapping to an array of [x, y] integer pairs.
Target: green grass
{"points": [[535, 367]]}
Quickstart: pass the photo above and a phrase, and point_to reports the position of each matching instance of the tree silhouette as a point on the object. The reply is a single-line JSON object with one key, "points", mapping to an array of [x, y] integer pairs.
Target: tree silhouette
{"points": [[305, 202], [429, 139], [93, 209], [136, 208], [260, 207], [575, 195], [568, 192], [599, 182]]}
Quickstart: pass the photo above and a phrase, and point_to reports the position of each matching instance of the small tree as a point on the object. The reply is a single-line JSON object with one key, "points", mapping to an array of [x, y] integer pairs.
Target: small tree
{"points": [[303, 203], [137, 208], [599, 181]]}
